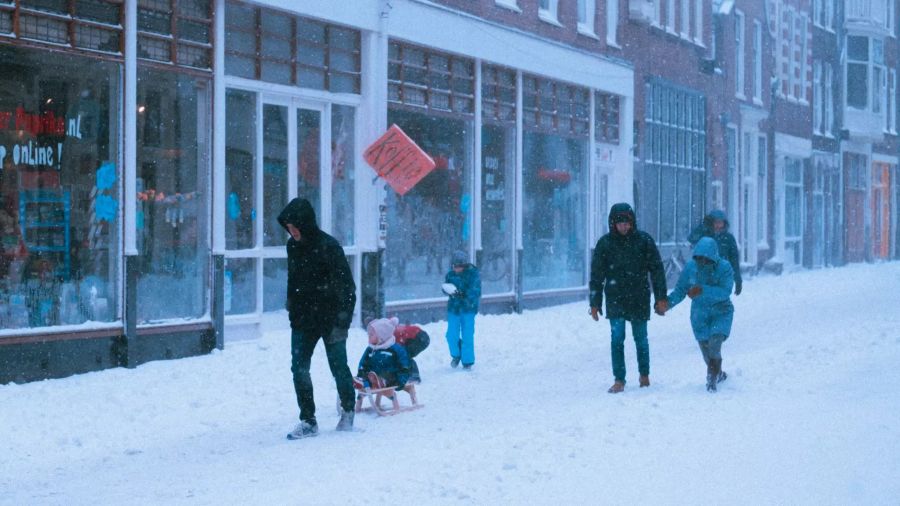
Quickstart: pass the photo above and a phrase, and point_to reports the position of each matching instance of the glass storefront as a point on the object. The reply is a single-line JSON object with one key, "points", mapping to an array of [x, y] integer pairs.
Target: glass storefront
{"points": [[172, 216], [428, 223], [59, 189], [554, 186]]}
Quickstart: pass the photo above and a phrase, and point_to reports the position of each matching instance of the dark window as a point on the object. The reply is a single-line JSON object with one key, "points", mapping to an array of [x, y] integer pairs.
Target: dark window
{"points": [[555, 107], [272, 46], [498, 94], [429, 80], [606, 118], [178, 32], [94, 25]]}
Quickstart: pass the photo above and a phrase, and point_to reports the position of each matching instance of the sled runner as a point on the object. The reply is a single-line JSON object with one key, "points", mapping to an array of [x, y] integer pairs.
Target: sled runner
{"points": [[377, 390]]}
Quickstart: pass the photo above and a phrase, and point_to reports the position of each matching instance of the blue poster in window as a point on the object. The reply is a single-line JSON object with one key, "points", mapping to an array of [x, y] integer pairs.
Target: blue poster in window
{"points": [[105, 208], [106, 176]]}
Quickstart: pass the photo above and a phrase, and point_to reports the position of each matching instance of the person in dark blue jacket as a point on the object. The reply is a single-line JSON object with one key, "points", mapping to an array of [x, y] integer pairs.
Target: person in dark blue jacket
{"points": [[708, 279], [715, 225], [465, 294], [384, 356]]}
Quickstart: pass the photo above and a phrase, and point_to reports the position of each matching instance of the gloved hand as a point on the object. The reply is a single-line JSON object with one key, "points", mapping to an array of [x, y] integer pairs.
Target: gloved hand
{"points": [[661, 306], [737, 287], [460, 294], [694, 291], [337, 335], [596, 312]]}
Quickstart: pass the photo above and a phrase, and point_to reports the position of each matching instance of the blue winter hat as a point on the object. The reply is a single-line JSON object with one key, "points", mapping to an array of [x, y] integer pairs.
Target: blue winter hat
{"points": [[459, 257]]}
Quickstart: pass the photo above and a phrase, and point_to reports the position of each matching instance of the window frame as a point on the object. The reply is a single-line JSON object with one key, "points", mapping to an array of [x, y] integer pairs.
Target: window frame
{"points": [[739, 53], [550, 13]]}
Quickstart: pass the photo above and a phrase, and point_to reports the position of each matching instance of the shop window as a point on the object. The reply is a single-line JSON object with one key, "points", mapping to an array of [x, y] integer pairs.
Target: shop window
{"points": [[429, 80], [343, 173], [857, 72], [273, 46], [498, 166], [240, 169], [94, 25], [275, 172], [555, 209], [606, 117], [59, 189], [239, 291], [433, 219], [173, 197], [178, 32]]}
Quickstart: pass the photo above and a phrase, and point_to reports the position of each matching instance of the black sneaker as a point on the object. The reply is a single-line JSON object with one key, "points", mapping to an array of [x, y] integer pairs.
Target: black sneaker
{"points": [[468, 367], [304, 429], [455, 362]]}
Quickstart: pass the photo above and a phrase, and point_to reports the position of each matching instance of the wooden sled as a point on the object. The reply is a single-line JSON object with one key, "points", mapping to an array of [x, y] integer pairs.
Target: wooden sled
{"points": [[376, 393]]}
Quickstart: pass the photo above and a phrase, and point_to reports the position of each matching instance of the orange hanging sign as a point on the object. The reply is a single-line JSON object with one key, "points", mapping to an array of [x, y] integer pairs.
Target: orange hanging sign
{"points": [[399, 160]]}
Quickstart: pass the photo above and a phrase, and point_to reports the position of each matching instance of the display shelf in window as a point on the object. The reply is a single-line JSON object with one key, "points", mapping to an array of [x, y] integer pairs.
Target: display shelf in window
{"points": [[44, 218]]}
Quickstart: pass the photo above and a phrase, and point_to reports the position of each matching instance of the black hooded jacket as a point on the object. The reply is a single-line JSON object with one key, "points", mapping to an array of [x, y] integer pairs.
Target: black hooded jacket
{"points": [[620, 268], [728, 248], [321, 293]]}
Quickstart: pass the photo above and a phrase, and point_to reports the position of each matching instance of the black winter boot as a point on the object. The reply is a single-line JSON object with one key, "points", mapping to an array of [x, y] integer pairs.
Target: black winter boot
{"points": [[712, 376]]}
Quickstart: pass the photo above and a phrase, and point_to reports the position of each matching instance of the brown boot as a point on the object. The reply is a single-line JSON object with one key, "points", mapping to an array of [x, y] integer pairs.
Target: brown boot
{"points": [[617, 387], [712, 375], [644, 380]]}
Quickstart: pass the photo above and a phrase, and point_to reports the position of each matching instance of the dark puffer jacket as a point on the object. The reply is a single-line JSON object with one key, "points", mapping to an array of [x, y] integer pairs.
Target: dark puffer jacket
{"points": [[321, 293], [728, 248], [620, 268]]}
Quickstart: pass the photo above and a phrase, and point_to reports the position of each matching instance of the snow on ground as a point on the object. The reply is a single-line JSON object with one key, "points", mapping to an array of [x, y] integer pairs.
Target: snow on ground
{"points": [[809, 415]]}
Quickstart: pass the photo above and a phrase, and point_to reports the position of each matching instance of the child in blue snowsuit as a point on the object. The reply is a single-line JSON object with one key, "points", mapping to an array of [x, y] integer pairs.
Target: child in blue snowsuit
{"points": [[708, 279], [461, 309], [384, 357]]}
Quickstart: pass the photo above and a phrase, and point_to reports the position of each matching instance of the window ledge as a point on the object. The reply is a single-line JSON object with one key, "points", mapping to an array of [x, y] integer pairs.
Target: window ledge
{"points": [[740, 96], [509, 6], [546, 17], [699, 42], [612, 43], [587, 32], [758, 101]]}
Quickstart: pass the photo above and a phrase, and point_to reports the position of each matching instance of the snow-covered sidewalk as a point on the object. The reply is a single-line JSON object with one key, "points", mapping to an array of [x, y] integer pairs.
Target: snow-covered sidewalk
{"points": [[809, 415]]}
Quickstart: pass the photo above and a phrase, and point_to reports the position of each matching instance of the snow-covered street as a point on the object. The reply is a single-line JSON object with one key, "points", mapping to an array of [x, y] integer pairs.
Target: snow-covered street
{"points": [[809, 415]]}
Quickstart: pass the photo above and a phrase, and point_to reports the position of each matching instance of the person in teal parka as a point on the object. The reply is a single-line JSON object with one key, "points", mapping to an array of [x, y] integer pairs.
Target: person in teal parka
{"points": [[461, 309], [707, 279]]}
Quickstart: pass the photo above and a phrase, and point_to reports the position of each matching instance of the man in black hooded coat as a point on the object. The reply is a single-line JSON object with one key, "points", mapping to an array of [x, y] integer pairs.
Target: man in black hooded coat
{"points": [[321, 296], [625, 263]]}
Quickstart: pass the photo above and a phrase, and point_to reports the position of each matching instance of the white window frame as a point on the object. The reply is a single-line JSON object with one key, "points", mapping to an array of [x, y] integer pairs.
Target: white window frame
{"points": [[670, 16], [757, 61], [512, 5], [828, 77], [586, 24], [612, 22], [804, 64], [686, 19], [551, 13], [698, 21], [889, 16], [818, 97], [879, 77], [739, 52], [762, 179], [867, 64], [891, 109]]}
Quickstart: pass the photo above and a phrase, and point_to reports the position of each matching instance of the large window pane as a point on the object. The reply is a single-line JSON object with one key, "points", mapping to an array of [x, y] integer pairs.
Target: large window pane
{"points": [[274, 283], [555, 209], [59, 189], [498, 144], [172, 184], [240, 171], [240, 286], [433, 219], [275, 149], [309, 142], [343, 173]]}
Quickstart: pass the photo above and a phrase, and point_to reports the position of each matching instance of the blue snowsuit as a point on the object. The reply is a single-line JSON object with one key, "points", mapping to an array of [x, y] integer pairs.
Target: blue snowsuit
{"points": [[711, 311], [391, 363], [461, 310]]}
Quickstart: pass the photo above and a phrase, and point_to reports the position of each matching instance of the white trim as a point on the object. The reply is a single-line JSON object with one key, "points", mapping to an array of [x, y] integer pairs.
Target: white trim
{"points": [[792, 146], [219, 138], [612, 22], [129, 117], [508, 4], [588, 26], [884, 158], [508, 47]]}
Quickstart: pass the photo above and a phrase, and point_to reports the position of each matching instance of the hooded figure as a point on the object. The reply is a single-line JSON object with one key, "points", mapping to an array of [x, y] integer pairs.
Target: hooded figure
{"points": [[624, 266], [384, 356], [462, 306], [321, 296], [715, 225], [708, 279]]}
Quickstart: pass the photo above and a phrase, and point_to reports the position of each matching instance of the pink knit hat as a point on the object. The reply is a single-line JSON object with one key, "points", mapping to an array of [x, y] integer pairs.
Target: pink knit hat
{"points": [[383, 328]]}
